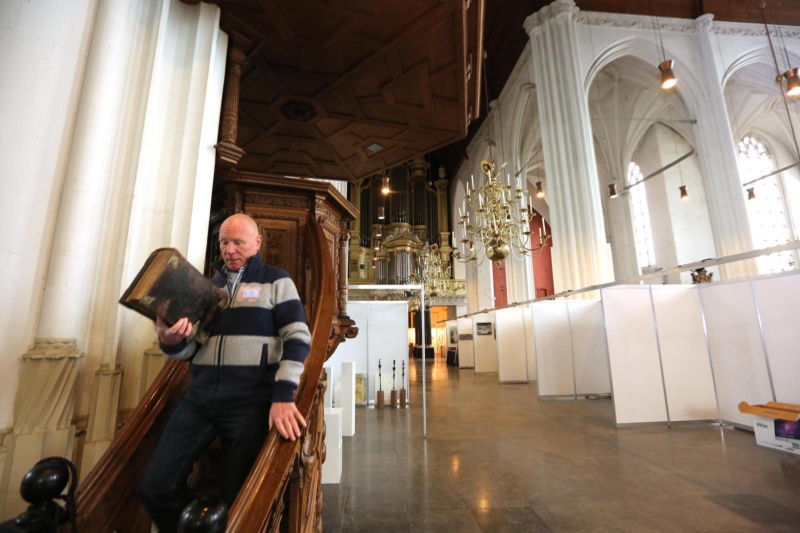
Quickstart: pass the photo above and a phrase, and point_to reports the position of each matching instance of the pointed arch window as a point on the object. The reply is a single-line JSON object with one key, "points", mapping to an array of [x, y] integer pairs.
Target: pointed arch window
{"points": [[767, 213], [640, 214]]}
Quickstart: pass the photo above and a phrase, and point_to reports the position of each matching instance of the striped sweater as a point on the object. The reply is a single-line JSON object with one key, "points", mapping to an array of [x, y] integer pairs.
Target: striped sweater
{"points": [[256, 351]]}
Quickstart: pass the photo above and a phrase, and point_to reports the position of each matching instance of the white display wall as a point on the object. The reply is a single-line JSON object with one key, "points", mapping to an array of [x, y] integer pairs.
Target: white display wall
{"points": [[687, 368], [484, 345], [512, 359], [466, 349], [553, 349], [382, 334], [683, 353], [778, 298], [737, 355], [633, 355], [570, 346]]}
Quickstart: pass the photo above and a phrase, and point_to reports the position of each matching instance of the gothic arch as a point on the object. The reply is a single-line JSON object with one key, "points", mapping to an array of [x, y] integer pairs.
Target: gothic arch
{"points": [[761, 54], [689, 89]]}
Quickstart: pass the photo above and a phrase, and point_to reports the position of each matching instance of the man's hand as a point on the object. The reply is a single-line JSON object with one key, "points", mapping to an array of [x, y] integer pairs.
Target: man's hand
{"points": [[175, 334], [287, 419]]}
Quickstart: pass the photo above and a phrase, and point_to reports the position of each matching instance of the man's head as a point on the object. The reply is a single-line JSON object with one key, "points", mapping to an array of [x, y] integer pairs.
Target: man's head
{"points": [[239, 240]]}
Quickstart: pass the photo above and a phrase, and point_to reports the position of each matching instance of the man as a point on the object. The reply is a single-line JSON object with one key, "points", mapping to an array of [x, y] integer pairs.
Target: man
{"points": [[250, 367]]}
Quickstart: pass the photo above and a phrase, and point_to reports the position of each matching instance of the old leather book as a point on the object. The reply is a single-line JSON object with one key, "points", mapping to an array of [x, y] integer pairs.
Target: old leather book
{"points": [[170, 287]]}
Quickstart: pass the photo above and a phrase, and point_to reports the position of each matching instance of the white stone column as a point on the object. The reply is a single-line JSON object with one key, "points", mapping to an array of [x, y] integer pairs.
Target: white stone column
{"points": [[580, 252], [716, 152], [480, 291], [43, 421]]}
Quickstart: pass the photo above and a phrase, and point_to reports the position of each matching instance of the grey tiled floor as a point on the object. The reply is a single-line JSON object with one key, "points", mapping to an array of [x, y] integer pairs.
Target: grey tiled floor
{"points": [[497, 459]]}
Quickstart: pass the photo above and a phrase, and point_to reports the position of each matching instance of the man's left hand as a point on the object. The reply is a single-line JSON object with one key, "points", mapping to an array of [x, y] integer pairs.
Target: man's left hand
{"points": [[287, 419]]}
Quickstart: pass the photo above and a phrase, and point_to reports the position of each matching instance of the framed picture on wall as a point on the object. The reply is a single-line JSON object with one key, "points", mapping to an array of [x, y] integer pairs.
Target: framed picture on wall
{"points": [[483, 328], [453, 330]]}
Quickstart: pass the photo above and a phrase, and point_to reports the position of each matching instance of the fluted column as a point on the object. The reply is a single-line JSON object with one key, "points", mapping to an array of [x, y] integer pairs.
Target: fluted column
{"points": [[580, 252], [46, 395], [716, 152]]}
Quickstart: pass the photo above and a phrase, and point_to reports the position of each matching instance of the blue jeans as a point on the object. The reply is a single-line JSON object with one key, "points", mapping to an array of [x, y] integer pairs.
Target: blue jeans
{"points": [[188, 433]]}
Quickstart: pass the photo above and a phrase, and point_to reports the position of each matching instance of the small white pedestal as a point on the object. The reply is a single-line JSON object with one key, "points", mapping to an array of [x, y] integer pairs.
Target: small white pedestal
{"points": [[348, 396], [332, 467]]}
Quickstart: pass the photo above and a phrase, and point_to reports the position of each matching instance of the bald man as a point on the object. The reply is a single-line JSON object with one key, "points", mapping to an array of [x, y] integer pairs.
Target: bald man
{"points": [[243, 379]]}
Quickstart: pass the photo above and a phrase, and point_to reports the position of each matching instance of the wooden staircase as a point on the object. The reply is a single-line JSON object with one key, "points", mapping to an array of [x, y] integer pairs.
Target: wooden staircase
{"points": [[283, 490]]}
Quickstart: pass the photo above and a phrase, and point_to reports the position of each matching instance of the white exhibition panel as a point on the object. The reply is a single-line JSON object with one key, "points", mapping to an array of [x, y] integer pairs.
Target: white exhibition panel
{"points": [[589, 349], [388, 340], [737, 356], [530, 345], [382, 334], [553, 352], [466, 350], [633, 355], [485, 347], [778, 299], [684, 353], [512, 362]]}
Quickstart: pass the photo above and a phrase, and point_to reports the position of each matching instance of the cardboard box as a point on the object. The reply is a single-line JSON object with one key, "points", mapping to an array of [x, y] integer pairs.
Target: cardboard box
{"points": [[777, 425]]}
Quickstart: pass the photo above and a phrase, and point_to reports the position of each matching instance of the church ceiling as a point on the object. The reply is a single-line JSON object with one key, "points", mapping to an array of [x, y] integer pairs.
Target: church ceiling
{"points": [[343, 89]]}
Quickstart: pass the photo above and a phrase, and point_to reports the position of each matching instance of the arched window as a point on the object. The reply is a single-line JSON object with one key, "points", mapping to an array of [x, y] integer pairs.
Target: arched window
{"points": [[767, 212], [642, 232]]}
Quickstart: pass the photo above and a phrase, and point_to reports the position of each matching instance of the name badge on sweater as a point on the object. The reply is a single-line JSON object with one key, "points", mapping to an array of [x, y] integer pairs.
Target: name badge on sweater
{"points": [[248, 293]]}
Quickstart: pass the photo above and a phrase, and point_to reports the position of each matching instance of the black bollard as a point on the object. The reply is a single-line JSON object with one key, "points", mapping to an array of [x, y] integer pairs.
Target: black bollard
{"points": [[41, 485], [207, 514]]}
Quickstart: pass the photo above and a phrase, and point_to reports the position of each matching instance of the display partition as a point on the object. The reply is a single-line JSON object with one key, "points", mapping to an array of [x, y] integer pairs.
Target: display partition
{"points": [[691, 353], [466, 343], [511, 345], [484, 343], [383, 316], [570, 347], [688, 379], [737, 353], [777, 298]]}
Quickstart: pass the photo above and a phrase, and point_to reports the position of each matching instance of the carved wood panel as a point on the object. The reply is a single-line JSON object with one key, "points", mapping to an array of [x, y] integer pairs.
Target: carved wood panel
{"points": [[279, 240], [344, 90]]}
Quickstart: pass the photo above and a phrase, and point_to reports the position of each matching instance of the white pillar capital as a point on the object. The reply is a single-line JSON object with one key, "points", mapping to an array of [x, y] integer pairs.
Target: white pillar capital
{"points": [[560, 9]]}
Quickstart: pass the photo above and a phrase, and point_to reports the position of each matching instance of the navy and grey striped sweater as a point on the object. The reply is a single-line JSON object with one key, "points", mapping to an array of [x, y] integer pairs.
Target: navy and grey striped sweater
{"points": [[256, 351]]}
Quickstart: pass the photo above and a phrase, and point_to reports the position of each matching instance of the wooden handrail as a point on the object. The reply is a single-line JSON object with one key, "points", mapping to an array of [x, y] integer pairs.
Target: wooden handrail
{"points": [[261, 493], [106, 499]]}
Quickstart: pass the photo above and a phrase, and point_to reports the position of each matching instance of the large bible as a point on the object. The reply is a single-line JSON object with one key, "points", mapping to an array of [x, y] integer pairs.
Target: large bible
{"points": [[170, 287]]}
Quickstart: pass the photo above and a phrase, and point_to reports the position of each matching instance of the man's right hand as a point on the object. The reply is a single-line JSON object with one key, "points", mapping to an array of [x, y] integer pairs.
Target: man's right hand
{"points": [[170, 336]]}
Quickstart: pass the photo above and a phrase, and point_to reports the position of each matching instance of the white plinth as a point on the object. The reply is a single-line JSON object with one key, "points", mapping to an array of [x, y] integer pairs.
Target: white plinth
{"points": [[328, 400], [348, 399], [332, 467]]}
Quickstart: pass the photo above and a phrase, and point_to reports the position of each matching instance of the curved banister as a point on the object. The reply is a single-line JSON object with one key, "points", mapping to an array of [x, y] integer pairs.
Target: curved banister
{"points": [[265, 484], [106, 499]]}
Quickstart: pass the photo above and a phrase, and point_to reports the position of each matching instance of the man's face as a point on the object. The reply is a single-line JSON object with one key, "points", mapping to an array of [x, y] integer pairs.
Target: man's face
{"points": [[239, 240]]}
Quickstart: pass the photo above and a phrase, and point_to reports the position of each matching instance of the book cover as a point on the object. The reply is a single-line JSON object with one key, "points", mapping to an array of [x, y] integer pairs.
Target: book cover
{"points": [[170, 287]]}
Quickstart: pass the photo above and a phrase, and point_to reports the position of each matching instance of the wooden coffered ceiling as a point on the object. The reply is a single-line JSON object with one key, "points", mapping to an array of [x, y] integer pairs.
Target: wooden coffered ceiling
{"points": [[343, 89]]}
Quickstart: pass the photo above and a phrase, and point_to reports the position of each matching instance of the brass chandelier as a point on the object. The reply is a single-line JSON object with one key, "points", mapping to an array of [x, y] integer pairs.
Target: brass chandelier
{"points": [[502, 220], [432, 273]]}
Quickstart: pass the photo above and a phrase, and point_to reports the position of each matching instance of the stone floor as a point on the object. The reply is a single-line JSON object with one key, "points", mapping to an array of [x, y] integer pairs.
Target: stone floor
{"points": [[498, 459]]}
